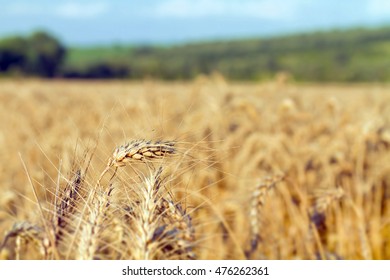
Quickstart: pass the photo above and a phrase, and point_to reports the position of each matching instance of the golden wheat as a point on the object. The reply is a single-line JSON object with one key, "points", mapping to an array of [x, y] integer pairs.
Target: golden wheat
{"points": [[206, 203]]}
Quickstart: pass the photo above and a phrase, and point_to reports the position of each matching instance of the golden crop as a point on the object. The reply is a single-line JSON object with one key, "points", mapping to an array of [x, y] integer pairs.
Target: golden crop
{"points": [[200, 170]]}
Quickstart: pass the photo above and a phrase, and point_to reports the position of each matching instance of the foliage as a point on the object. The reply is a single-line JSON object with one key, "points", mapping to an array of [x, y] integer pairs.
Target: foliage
{"points": [[355, 55], [339, 55], [39, 54]]}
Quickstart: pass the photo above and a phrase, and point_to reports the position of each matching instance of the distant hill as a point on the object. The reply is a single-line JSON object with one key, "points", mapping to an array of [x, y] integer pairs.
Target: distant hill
{"points": [[355, 55]]}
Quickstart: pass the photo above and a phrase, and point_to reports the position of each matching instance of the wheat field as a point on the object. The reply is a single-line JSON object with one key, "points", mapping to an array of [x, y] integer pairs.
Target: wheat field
{"points": [[208, 169]]}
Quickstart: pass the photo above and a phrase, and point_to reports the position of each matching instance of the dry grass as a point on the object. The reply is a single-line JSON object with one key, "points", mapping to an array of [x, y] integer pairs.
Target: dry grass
{"points": [[199, 174]]}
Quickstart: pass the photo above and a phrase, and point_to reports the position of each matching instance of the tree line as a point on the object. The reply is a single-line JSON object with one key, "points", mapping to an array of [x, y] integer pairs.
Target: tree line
{"points": [[339, 55], [39, 54]]}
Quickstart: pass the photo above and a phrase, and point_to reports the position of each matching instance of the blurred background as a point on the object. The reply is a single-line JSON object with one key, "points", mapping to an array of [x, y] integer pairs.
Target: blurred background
{"points": [[339, 41]]}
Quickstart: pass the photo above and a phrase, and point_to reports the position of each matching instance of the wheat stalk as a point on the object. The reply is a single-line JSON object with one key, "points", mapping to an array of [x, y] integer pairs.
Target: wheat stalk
{"points": [[257, 202], [94, 225], [25, 231], [146, 219], [323, 198], [179, 230], [66, 205]]}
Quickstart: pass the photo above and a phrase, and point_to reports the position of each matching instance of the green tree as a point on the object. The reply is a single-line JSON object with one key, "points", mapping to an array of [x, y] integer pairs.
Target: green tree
{"points": [[45, 55], [39, 54], [13, 54]]}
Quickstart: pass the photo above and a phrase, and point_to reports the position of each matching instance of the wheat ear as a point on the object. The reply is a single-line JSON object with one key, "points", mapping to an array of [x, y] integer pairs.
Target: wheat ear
{"points": [[66, 205], [323, 198], [94, 225], [179, 232], [257, 202], [25, 231], [146, 219], [138, 150]]}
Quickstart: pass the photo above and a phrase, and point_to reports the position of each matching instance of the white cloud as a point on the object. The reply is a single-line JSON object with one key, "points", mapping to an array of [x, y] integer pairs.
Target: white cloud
{"points": [[81, 11], [264, 9]]}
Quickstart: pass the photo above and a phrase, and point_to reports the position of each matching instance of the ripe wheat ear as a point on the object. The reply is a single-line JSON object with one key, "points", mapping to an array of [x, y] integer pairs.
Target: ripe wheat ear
{"points": [[138, 150]]}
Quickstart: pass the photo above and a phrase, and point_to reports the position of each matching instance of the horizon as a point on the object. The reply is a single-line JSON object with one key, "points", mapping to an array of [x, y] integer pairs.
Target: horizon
{"points": [[200, 41], [175, 22]]}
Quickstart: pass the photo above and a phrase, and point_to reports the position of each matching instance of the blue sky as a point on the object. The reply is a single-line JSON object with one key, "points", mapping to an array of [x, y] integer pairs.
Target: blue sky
{"points": [[86, 22]]}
